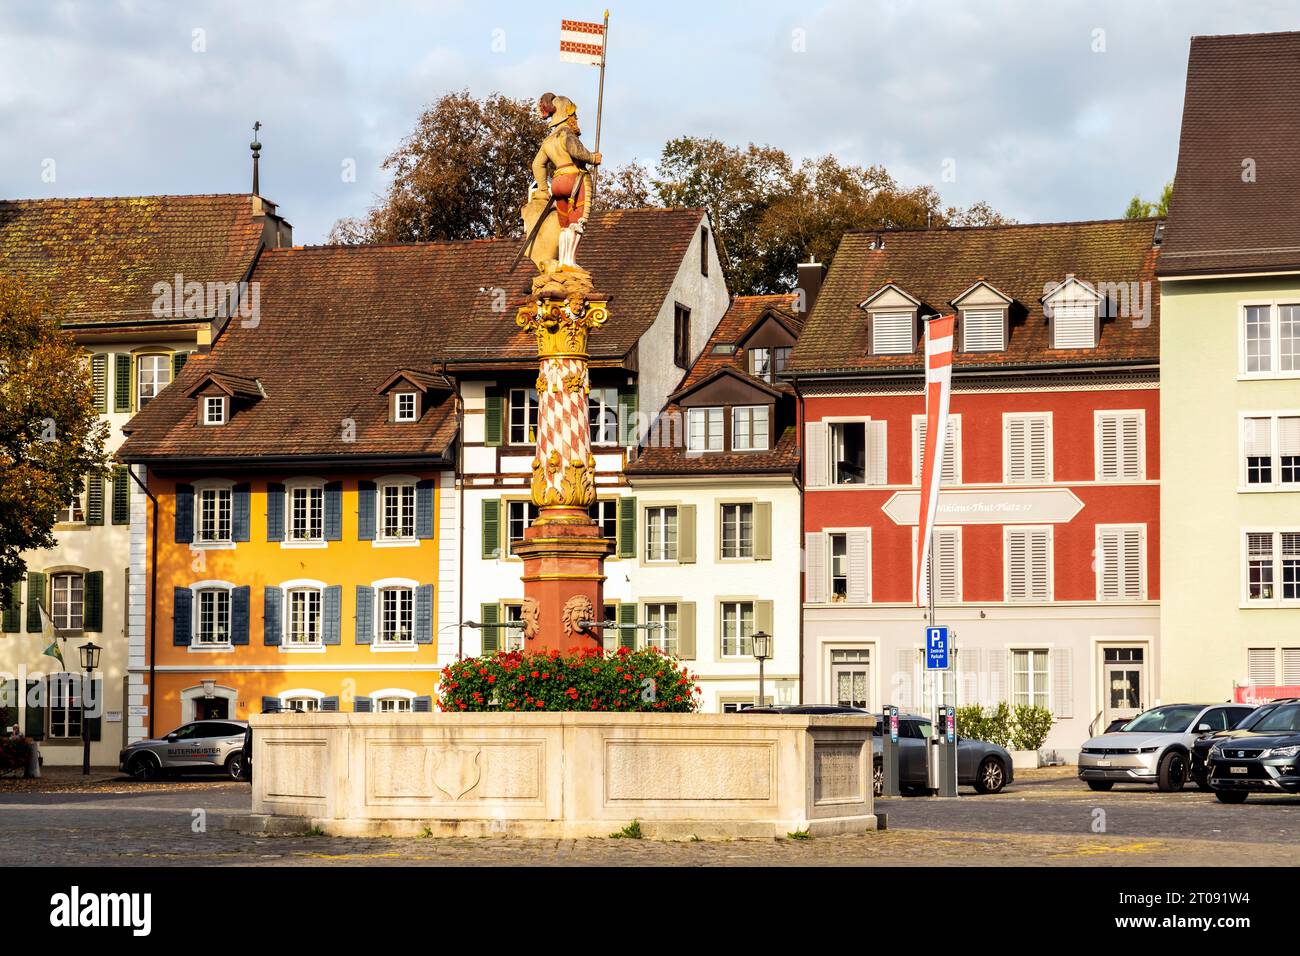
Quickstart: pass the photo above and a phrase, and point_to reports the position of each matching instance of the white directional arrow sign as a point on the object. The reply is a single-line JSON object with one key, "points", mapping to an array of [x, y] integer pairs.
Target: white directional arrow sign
{"points": [[977, 506]]}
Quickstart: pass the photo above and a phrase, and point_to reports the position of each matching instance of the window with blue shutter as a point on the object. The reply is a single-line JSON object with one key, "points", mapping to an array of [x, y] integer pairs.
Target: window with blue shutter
{"points": [[331, 607], [365, 617], [424, 614], [329, 705], [274, 512], [366, 496], [239, 513], [272, 614], [361, 705], [334, 511], [182, 604], [184, 514], [424, 508], [270, 705], [422, 705], [239, 614]]}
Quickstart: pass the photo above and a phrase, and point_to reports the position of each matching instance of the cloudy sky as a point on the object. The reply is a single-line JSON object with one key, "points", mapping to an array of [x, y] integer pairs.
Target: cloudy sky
{"points": [[1047, 109]]}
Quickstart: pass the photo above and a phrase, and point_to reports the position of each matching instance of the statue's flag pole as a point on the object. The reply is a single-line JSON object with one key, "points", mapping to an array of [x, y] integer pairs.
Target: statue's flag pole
{"points": [[582, 42]]}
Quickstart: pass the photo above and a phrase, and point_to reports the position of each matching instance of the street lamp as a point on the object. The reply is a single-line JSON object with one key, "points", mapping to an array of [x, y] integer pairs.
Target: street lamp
{"points": [[89, 663], [762, 642]]}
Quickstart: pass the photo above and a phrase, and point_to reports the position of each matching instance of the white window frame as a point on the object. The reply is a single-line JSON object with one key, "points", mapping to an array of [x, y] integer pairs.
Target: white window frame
{"points": [[828, 424], [663, 556], [530, 515], [742, 653], [1007, 532], [739, 537], [304, 694], [600, 505], [1274, 307], [602, 406], [401, 414], [1099, 561], [57, 686], [954, 446], [1048, 653], [1100, 415], [1277, 601], [76, 610], [1007, 418], [308, 485], [166, 365], [218, 486], [75, 508], [217, 404], [906, 317], [392, 694], [196, 614], [531, 404], [751, 411], [382, 486], [965, 328], [286, 588], [660, 637], [1275, 453], [713, 443], [377, 631]]}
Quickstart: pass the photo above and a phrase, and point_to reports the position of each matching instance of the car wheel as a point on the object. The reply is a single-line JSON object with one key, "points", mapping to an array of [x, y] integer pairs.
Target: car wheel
{"points": [[1102, 785], [991, 776], [144, 767], [235, 766], [1231, 796], [878, 777], [1172, 773]]}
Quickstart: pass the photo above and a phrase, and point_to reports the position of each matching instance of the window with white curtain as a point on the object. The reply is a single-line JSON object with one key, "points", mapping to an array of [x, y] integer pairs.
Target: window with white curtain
{"points": [[1030, 678]]}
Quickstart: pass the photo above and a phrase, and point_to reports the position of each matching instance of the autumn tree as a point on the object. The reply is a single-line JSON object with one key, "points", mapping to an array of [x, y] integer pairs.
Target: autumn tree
{"points": [[463, 173], [1139, 208], [51, 436]]}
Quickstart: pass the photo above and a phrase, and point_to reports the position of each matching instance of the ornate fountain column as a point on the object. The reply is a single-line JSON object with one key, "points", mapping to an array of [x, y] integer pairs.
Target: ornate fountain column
{"points": [[563, 551]]}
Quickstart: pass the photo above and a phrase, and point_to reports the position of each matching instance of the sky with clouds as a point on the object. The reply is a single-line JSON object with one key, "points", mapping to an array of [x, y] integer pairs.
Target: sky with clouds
{"points": [[1047, 109]]}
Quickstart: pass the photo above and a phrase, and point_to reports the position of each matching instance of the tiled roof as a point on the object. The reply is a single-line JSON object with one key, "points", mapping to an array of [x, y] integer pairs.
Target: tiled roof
{"points": [[100, 258], [1022, 261], [236, 385], [744, 313], [336, 322], [1236, 202]]}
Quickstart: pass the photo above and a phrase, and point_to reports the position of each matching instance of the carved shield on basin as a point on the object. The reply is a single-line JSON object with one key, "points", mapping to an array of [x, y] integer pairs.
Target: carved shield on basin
{"points": [[457, 771]]}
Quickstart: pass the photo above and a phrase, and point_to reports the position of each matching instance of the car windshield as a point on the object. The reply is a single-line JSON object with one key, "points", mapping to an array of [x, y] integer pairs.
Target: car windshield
{"points": [[1282, 720], [1175, 719]]}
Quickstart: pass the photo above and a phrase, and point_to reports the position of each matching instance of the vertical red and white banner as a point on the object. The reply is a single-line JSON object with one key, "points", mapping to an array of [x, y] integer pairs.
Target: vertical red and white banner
{"points": [[938, 387]]}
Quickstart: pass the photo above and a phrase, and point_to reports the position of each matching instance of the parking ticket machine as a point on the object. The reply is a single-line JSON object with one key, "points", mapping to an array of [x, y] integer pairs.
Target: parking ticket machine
{"points": [[889, 751], [942, 752]]}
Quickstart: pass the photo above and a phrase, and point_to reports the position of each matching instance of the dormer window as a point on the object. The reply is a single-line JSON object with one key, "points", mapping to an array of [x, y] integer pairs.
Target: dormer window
{"points": [[214, 409], [405, 407], [892, 333], [765, 363], [1073, 309], [704, 429], [749, 428], [983, 330]]}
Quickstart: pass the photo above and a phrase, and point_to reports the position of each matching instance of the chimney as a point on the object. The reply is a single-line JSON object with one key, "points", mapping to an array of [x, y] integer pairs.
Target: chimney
{"points": [[810, 284]]}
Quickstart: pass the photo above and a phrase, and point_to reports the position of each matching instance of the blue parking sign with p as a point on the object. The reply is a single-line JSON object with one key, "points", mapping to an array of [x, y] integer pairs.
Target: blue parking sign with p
{"points": [[936, 648]]}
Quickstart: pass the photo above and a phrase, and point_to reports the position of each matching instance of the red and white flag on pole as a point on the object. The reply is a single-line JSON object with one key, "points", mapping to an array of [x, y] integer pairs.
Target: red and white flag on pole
{"points": [[582, 42], [938, 386]]}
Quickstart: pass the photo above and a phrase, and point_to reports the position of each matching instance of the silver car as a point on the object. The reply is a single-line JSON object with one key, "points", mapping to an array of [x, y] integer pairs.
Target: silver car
{"points": [[1155, 746], [204, 745]]}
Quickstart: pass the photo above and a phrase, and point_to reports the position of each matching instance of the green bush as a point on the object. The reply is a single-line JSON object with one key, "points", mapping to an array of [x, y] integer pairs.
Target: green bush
{"points": [[994, 726], [15, 753], [1031, 727], [625, 680]]}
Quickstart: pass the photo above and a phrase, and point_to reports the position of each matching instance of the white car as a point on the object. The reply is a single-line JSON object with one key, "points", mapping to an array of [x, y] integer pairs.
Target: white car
{"points": [[1155, 746]]}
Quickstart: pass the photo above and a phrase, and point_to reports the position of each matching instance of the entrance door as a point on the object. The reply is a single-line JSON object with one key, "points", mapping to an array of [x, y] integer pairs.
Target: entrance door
{"points": [[1123, 683], [851, 677], [211, 708]]}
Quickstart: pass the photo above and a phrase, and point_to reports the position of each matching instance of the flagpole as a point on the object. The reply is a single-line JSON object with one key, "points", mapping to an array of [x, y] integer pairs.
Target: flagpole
{"points": [[600, 97]]}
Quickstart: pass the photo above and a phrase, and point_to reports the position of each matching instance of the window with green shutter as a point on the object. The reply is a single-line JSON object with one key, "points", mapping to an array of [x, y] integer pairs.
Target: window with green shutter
{"points": [[93, 596], [94, 499], [627, 633], [99, 376], [490, 617], [178, 362], [121, 496], [35, 599], [122, 383], [13, 601], [627, 527], [491, 530], [494, 417], [627, 414]]}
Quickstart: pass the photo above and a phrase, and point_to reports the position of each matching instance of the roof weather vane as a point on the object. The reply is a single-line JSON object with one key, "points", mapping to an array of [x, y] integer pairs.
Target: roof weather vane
{"points": [[256, 147]]}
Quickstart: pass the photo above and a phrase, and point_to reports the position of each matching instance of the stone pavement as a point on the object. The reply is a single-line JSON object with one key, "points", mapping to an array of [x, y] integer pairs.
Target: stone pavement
{"points": [[1046, 819]]}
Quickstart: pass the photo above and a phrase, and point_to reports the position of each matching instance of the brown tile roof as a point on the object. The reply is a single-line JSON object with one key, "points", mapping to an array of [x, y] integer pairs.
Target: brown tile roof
{"points": [[100, 258], [745, 312], [337, 321], [236, 385], [1022, 261], [1240, 105]]}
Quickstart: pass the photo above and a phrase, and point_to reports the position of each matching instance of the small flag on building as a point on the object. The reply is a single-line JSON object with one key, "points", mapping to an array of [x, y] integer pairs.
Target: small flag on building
{"points": [[938, 385], [582, 42], [49, 630]]}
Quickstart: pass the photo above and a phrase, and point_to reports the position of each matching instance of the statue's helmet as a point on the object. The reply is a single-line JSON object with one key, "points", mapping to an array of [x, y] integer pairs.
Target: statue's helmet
{"points": [[546, 105], [564, 108]]}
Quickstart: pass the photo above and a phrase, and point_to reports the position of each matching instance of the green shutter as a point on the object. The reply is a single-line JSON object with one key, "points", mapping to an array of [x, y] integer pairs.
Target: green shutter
{"points": [[13, 618], [94, 499], [35, 599], [178, 362], [494, 417], [489, 617], [34, 724], [99, 376], [121, 496], [491, 530], [627, 527], [93, 616], [122, 386], [627, 409], [627, 615]]}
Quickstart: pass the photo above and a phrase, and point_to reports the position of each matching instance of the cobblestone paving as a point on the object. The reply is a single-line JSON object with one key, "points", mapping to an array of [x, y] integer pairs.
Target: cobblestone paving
{"points": [[1045, 820]]}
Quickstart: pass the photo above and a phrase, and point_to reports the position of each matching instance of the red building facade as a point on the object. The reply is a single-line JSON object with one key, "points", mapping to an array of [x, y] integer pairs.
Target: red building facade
{"points": [[1047, 537]]}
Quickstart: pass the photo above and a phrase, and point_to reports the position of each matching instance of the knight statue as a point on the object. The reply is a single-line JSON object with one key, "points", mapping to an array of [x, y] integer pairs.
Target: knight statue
{"points": [[560, 171]]}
